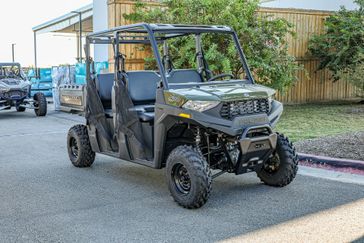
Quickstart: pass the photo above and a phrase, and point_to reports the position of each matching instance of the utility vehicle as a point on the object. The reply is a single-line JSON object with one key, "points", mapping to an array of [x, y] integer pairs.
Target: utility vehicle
{"points": [[15, 91], [196, 123]]}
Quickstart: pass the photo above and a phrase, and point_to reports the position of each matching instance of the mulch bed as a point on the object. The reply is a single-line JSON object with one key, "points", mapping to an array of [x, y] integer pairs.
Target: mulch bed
{"points": [[344, 146]]}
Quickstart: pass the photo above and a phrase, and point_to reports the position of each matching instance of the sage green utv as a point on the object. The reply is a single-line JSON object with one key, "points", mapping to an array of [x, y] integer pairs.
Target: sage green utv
{"points": [[195, 122]]}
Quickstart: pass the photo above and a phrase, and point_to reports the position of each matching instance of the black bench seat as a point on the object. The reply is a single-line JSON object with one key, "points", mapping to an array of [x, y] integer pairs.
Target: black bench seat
{"points": [[142, 86]]}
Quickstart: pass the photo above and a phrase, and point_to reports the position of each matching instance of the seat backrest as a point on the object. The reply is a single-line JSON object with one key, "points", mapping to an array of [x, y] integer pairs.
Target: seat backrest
{"points": [[184, 76], [104, 83], [142, 86]]}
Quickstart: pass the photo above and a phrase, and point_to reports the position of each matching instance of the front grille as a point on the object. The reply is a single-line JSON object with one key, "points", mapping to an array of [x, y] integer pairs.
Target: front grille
{"points": [[14, 94], [230, 110]]}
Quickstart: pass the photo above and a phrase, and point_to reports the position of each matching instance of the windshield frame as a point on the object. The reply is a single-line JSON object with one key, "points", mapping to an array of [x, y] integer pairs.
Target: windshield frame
{"points": [[115, 37], [11, 65], [233, 34]]}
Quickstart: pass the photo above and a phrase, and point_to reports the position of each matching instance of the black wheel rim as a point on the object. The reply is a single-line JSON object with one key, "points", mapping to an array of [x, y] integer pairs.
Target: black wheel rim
{"points": [[181, 179], [273, 164], [74, 147]]}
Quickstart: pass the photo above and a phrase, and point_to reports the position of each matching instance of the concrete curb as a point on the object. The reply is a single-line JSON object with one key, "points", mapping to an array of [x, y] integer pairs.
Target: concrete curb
{"points": [[331, 175], [335, 162]]}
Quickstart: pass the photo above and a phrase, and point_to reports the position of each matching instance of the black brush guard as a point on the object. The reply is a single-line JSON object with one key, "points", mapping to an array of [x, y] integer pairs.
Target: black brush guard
{"points": [[256, 144]]}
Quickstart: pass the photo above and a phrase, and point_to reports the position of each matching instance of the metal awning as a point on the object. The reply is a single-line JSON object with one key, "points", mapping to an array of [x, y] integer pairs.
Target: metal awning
{"points": [[68, 23], [77, 22]]}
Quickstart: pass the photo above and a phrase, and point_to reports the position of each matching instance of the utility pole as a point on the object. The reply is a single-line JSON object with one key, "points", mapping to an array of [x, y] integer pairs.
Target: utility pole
{"points": [[80, 34], [13, 51], [35, 56]]}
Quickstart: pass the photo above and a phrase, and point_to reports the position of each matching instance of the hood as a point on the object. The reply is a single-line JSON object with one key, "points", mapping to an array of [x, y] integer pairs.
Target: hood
{"points": [[221, 92], [13, 83]]}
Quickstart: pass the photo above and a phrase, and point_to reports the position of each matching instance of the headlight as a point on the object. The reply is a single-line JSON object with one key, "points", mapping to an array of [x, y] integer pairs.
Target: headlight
{"points": [[270, 101], [25, 88], [25, 85], [200, 105], [4, 89]]}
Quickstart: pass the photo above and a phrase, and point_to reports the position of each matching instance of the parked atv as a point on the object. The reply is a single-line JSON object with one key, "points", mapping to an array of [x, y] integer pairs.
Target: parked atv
{"points": [[193, 122], [15, 91]]}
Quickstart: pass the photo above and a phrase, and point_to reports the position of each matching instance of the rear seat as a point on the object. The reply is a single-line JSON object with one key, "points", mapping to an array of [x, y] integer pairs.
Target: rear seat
{"points": [[104, 84], [142, 87]]}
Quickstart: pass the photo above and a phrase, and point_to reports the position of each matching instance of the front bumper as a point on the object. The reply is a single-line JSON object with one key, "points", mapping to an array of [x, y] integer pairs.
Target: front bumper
{"points": [[255, 150], [13, 95]]}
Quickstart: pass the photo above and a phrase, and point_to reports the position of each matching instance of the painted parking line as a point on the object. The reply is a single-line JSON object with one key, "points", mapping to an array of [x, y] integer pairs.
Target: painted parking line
{"points": [[32, 134]]}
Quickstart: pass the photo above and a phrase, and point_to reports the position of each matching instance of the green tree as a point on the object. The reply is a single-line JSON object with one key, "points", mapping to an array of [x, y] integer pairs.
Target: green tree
{"points": [[341, 47], [263, 39]]}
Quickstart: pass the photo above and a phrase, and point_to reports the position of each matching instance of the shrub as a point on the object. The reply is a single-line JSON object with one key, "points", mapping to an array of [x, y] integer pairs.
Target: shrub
{"points": [[341, 47]]}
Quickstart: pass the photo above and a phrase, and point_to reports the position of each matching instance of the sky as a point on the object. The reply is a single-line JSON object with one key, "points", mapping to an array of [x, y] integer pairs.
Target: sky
{"points": [[17, 19]]}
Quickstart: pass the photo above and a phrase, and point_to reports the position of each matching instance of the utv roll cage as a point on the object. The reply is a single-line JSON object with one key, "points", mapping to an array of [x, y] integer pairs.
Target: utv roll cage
{"points": [[155, 34], [9, 64]]}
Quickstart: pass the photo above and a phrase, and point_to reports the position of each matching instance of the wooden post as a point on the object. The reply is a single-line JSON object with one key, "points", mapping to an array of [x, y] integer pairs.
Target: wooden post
{"points": [[116, 11]]}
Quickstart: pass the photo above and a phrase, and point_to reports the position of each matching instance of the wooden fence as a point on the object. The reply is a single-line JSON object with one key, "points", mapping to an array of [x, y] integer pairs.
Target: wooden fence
{"points": [[312, 85]]}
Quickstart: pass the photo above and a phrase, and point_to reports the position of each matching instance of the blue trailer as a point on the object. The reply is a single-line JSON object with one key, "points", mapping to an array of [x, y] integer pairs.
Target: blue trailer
{"points": [[42, 83], [81, 71]]}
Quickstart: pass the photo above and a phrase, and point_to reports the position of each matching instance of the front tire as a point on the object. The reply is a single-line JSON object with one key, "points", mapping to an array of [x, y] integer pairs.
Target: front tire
{"points": [[40, 104], [281, 169], [188, 176], [79, 147], [20, 109]]}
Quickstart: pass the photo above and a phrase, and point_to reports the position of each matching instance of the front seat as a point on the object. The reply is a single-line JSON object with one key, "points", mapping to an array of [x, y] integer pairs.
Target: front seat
{"points": [[179, 76]]}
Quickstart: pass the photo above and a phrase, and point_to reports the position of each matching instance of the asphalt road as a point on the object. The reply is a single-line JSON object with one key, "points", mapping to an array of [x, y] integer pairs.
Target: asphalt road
{"points": [[43, 198]]}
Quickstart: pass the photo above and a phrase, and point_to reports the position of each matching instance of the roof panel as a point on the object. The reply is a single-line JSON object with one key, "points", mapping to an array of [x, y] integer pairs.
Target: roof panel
{"points": [[65, 21]]}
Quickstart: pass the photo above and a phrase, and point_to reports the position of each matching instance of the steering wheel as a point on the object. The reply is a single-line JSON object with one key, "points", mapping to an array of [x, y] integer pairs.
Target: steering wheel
{"points": [[220, 76]]}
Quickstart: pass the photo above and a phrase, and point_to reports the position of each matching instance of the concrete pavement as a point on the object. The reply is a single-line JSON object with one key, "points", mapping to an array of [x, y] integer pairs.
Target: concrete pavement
{"points": [[45, 199]]}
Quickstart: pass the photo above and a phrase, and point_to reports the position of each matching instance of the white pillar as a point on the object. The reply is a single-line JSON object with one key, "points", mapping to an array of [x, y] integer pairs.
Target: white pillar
{"points": [[100, 22]]}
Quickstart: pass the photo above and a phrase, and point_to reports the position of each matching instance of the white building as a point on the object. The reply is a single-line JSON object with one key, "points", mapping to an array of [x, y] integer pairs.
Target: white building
{"points": [[100, 22]]}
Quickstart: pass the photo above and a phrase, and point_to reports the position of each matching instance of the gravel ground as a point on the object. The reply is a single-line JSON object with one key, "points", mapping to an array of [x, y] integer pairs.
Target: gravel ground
{"points": [[345, 146]]}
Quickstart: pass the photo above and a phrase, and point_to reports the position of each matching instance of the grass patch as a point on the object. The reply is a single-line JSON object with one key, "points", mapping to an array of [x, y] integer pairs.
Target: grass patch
{"points": [[300, 122]]}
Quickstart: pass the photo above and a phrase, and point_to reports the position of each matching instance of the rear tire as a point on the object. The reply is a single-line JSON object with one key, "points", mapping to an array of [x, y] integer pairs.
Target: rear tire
{"points": [[40, 104], [280, 170], [79, 147], [188, 176]]}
